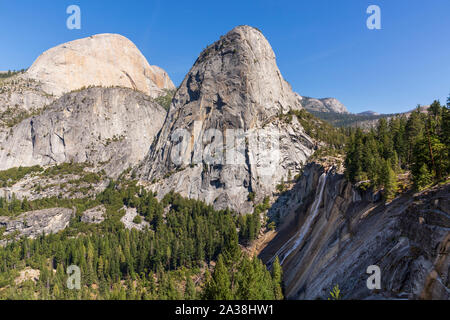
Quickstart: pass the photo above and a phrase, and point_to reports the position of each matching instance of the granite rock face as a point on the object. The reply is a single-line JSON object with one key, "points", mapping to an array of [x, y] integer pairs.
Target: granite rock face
{"points": [[21, 95], [111, 128], [107, 60], [235, 84], [332, 232], [100, 60], [66, 186], [35, 223], [94, 215], [128, 220], [19, 99]]}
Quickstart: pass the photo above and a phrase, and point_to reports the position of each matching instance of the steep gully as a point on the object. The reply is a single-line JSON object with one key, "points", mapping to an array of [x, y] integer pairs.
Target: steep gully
{"points": [[300, 235], [331, 231]]}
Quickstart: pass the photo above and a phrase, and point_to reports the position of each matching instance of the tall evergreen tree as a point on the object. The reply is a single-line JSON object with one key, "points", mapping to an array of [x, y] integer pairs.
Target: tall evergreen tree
{"points": [[219, 287], [277, 274], [389, 180], [190, 291]]}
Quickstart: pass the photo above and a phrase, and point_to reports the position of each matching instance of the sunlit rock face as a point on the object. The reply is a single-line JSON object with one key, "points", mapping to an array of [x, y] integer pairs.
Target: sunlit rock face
{"points": [[235, 84], [324, 105], [88, 100], [100, 60]]}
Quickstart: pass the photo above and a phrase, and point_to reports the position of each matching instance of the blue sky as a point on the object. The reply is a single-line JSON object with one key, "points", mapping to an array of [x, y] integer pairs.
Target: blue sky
{"points": [[323, 47]]}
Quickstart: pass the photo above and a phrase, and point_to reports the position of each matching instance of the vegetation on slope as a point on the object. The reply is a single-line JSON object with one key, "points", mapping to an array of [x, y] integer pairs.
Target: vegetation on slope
{"points": [[318, 129], [11, 176], [189, 250], [9, 74], [419, 143], [170, 259], [165, 100]]}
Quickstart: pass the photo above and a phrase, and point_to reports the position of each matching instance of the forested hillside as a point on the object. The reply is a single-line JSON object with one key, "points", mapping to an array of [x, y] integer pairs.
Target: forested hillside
{"points": [[419, 144], [188, 250], [171, 259]]}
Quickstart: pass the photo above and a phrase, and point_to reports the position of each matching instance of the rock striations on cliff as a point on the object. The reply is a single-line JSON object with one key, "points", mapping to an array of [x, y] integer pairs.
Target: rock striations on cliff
{"points": [[111, 128], [235, 84], [33, 224], [224, 140], [332, 232]]}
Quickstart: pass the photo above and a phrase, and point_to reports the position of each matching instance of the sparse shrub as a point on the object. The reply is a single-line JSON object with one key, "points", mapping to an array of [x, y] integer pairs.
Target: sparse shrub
{"points": [[335, 294]]}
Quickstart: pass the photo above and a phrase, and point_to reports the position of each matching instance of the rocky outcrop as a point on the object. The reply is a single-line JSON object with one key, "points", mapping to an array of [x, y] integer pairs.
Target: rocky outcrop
{"points": [[324, 105], [35, 223], [111, 128], [332, 232], [94, 215], [25, 94], [235, 84], [39, 185], [100, 60], [20, 98], [28, 274], [129, 222]]}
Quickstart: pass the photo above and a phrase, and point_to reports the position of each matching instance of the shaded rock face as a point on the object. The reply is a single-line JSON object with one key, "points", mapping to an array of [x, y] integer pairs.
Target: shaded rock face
{"points": [[235, 84], [35, 223], [324, 105], [100, 60], [332, 233], [109, 127]]}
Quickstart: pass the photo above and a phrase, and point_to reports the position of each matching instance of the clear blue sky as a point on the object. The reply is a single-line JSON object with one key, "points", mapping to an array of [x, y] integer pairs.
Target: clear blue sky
{"points": [[323, 47]]}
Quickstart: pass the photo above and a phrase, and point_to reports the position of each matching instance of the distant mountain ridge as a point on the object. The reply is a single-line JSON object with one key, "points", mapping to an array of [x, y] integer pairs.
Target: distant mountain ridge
{"points": [[369, 113], [366, 119], [324, 105]]}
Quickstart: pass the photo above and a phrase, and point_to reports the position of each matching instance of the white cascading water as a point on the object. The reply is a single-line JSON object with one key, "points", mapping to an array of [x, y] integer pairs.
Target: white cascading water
{"points": [[299, 236]]}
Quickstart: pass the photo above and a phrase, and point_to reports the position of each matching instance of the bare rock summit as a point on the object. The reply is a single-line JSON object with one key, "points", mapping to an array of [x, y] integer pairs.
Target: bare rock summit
{"points": [[324, 105], [99, 60], [234, 84]]}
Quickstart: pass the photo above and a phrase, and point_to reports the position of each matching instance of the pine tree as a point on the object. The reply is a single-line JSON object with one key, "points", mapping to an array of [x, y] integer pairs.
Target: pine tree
{"points": [[435, 109], [277, 279], [389, 181], [423, 177], [190, 291], [219, 287], [100, 267], [25, 205], [413, 132]]}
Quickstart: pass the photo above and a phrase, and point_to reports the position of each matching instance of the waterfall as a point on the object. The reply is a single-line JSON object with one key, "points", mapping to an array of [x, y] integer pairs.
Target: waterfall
{"points": [[300, 235]]}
